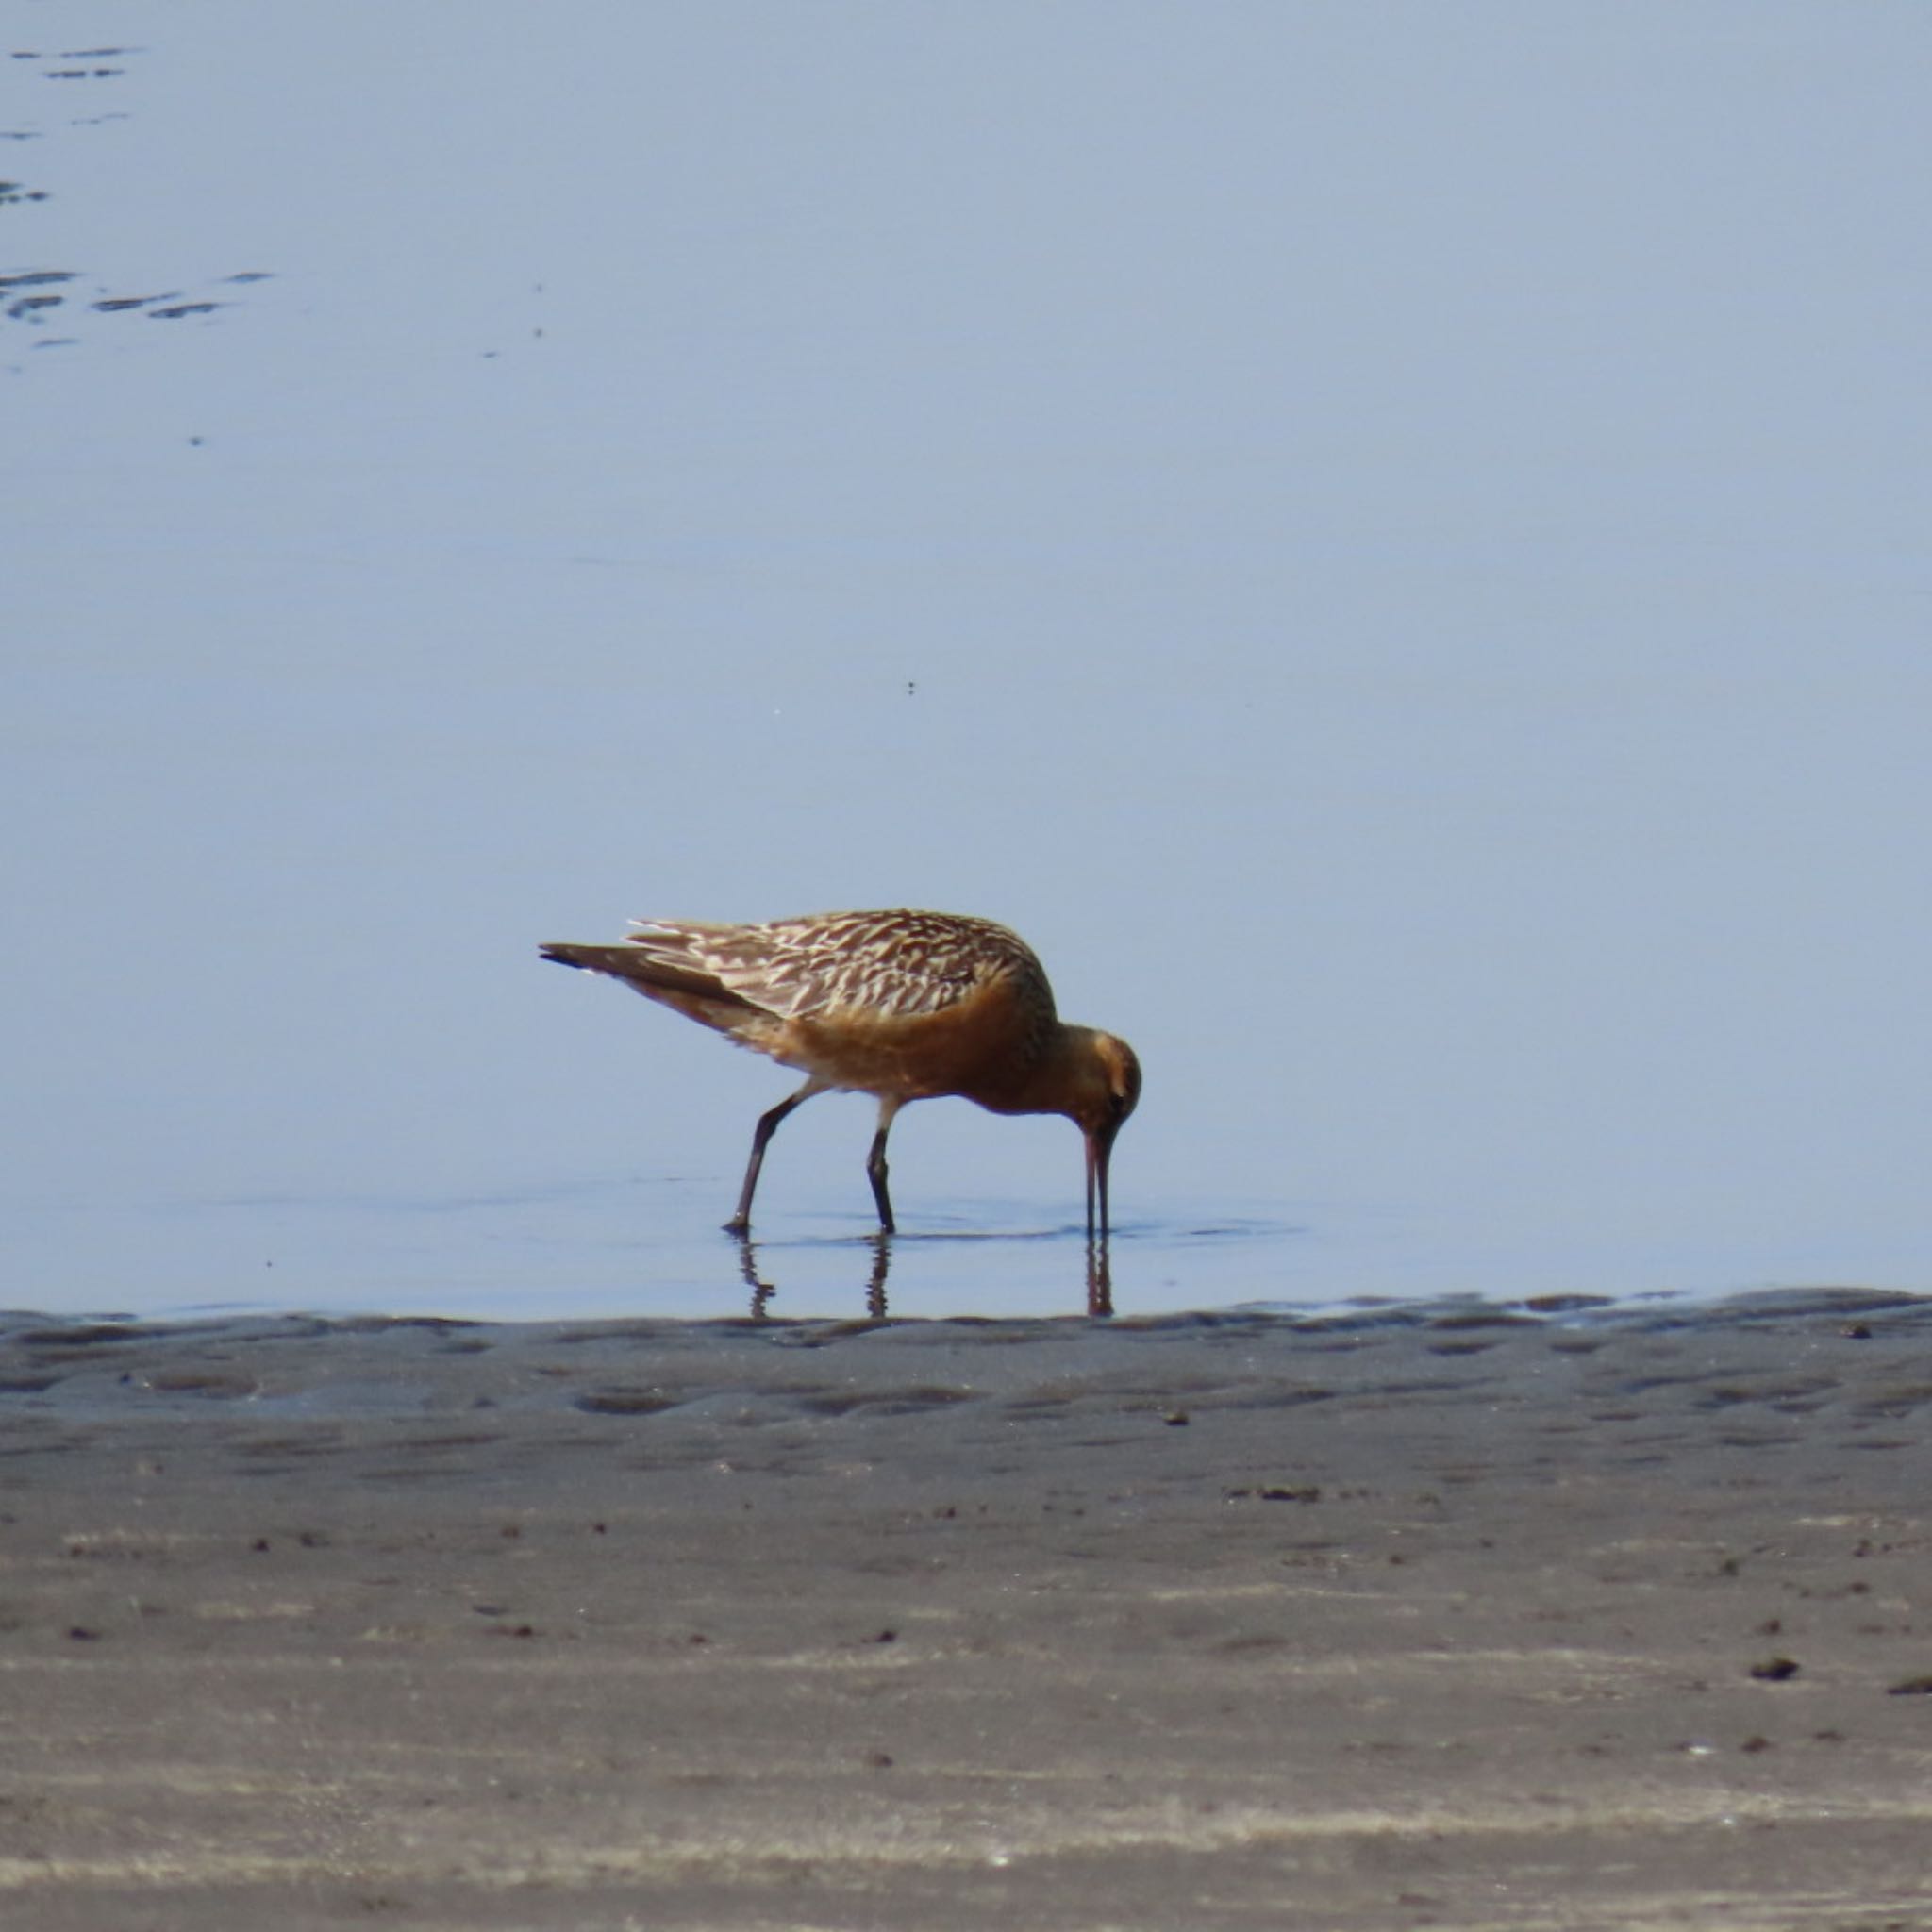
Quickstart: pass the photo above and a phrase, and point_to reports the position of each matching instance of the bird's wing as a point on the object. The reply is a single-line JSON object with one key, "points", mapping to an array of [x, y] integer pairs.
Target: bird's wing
{"points": [[890, 965]]}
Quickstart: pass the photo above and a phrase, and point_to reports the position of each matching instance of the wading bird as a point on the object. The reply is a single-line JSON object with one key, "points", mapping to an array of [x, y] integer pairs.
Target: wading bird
{"points": [[903, 1006]]}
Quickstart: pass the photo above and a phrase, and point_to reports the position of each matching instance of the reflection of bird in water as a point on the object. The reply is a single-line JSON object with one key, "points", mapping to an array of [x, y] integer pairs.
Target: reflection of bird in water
{"points": [[1099, 1277], [762, 1290], [906, 1005]]}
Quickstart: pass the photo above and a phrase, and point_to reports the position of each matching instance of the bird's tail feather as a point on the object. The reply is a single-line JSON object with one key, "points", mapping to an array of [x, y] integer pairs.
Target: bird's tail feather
{"points": [[647, 973]]}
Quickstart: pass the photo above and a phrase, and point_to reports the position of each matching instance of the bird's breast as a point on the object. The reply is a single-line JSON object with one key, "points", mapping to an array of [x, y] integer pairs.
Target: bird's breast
{"points": [[981, 1048]]}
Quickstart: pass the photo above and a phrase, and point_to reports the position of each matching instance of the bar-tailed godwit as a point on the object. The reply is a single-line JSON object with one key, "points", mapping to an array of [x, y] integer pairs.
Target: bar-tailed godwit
{"points": [[905, 1006]]}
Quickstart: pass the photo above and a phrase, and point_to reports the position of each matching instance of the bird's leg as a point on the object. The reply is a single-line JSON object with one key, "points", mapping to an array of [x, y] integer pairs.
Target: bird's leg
{"points": [[875, 1165], [767, 1126]]}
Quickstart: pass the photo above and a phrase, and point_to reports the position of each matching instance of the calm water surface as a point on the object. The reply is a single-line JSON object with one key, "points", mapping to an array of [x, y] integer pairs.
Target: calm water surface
{"points": [[1388, 543]]}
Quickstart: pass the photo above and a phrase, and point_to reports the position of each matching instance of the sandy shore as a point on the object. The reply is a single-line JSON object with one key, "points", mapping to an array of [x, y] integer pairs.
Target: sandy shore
{"points": [[1230, 1622]]}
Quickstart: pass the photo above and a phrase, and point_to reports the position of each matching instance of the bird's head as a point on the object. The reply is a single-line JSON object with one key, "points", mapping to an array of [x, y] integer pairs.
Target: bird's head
{"points": [[1120, 1089], [1100, 1089]]}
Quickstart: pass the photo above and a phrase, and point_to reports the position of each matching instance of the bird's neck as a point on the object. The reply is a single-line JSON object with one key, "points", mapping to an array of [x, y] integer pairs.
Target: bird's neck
{"points": [[1057, 1079]]}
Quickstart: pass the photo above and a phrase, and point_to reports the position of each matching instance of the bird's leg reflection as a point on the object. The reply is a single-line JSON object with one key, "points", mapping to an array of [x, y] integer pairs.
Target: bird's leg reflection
{"points": [[762, 1290], [1099, 1277], [881, 1262]]}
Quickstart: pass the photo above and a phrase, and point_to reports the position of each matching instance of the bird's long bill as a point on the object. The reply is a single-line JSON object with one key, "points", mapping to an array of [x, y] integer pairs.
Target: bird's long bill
{"points": [[1099, 1150]]}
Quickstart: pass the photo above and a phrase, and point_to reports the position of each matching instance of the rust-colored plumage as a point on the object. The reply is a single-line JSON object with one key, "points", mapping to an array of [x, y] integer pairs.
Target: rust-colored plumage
{"points": [[905, 1006]]}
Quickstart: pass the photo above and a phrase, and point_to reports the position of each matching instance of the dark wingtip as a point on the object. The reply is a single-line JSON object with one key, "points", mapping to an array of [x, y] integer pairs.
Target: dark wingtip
{"points": [[560, 954]]}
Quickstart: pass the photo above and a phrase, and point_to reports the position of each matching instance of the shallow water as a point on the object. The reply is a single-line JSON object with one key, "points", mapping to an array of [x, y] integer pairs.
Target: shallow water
{"points": [[1390, 546], [653, 1249]]}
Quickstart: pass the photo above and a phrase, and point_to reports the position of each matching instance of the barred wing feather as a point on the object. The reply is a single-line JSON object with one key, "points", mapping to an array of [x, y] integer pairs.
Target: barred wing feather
{"points": [[899, 964]]}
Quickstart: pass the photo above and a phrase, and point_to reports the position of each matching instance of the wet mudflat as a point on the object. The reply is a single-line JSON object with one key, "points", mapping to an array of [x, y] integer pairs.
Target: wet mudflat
{"points": [[1480, 1621]]}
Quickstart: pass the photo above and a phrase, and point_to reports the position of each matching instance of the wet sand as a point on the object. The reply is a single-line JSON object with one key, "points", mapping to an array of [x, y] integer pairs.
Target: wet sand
{"points": [[1482, 1620]]}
